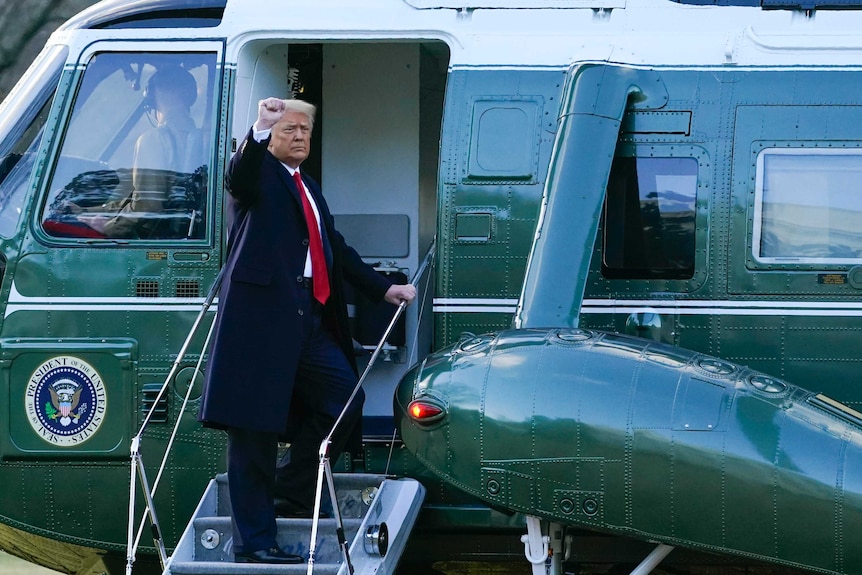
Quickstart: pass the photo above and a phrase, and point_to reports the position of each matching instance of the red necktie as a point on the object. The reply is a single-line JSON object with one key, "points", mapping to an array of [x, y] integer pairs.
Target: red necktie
{"points": [[315, 245]]}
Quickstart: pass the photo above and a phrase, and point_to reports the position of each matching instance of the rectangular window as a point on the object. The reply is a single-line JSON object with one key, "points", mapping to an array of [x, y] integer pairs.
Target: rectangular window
{"points": [[135, 157], [808, 207], [649, 230]]}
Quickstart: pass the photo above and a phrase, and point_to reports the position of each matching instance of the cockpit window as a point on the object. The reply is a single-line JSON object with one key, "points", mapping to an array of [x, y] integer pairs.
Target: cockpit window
{"points": [[25, 112], [649, 226], [817, 187], [134, 160]]}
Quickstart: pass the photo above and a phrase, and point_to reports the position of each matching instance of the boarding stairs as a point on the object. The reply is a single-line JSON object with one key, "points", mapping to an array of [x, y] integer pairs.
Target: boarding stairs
{"points": [[377, 514], [365, 534]]}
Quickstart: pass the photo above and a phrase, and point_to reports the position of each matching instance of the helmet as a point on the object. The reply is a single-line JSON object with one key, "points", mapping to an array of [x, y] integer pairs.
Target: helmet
{"points": [[175, 79]]}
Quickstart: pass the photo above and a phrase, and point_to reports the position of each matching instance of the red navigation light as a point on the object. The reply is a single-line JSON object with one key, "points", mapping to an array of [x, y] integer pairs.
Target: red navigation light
{"points": [[425, 410]]}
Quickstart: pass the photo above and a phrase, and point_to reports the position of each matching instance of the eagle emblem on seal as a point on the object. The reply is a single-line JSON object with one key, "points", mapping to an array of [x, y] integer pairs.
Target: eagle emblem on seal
{"points": [[65, 397]]}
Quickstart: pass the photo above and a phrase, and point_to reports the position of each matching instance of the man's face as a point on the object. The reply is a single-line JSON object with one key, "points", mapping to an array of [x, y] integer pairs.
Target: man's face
{"points": [[291, 139]]}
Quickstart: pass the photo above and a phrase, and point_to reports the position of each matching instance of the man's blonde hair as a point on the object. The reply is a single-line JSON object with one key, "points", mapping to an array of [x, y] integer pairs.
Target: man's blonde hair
{"points": [[302, 107]]}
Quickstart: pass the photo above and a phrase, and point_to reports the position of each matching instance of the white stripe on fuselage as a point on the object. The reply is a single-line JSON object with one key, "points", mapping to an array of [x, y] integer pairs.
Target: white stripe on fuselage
{"points": [[669, 307], [18, 302]]}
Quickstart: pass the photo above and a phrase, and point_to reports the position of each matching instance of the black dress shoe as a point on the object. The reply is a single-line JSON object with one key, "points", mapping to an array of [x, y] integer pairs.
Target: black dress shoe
{"points": [[272, 555], [289, 510]]}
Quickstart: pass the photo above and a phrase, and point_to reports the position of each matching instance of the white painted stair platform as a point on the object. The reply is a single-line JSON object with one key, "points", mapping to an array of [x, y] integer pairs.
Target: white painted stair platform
{"points": [[378, 515]]}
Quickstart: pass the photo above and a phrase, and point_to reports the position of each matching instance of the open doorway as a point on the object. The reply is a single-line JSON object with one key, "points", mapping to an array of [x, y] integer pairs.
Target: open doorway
{"points": [[375, 151]]}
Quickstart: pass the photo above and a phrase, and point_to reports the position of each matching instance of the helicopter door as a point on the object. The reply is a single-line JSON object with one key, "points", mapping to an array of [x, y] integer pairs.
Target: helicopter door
{"points": [[120, 250], [795, 251]]}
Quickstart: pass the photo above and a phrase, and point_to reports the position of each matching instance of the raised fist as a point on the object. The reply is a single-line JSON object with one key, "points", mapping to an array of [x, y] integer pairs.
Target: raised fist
{"points": [[269, 112]]}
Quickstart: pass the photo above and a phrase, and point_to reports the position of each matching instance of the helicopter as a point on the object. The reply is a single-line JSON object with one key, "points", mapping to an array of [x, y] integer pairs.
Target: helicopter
{"points": [[645, 209]]}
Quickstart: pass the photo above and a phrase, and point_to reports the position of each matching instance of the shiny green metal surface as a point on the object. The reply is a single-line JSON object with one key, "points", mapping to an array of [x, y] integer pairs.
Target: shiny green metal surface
{"points": [[640, 439], [515, 147]]}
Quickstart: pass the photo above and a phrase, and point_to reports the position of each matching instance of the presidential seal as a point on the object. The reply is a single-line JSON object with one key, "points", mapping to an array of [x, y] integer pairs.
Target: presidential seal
{"points": [[65, 401]]}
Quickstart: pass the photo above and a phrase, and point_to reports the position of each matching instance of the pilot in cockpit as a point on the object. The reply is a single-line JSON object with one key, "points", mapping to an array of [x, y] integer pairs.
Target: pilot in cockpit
{"points": [[160, 154]]}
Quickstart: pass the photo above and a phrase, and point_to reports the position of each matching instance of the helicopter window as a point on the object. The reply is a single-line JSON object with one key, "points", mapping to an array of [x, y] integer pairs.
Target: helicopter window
{"points": [[21, 133], [134, 159], [818, 187], [15, 169], [649, 228]]}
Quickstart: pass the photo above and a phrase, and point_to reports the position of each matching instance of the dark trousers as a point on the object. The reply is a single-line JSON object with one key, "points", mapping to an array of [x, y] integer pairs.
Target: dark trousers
{"points": [[322, 386]]}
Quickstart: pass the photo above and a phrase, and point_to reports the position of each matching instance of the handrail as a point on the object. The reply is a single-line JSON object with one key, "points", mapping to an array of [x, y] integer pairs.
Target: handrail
{"points": [[137, 464], [323, 453]]}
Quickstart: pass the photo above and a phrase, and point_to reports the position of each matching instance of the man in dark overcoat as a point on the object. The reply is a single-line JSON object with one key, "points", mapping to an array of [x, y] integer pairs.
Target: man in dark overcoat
{"points": [[281, 343]]}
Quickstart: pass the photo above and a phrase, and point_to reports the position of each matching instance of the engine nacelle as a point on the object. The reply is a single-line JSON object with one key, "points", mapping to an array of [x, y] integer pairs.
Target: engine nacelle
{"points": [[629, 436]]}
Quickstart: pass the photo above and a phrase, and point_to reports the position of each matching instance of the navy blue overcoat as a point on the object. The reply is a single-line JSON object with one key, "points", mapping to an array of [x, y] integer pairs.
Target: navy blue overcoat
{"points": [[254, 352]]}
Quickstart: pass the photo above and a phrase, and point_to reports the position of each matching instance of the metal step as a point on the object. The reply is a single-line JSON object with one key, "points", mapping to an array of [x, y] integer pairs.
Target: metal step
{"points": [[365, 502]]}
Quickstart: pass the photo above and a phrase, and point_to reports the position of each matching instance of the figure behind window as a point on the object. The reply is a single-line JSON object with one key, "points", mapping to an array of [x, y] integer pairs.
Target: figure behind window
{"points": [[162, 154]]}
